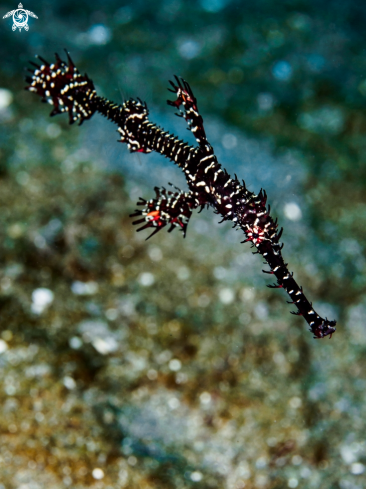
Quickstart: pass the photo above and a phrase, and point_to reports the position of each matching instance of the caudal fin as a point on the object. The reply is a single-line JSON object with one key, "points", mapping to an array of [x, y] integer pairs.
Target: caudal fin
{"points": [[60, 84]]}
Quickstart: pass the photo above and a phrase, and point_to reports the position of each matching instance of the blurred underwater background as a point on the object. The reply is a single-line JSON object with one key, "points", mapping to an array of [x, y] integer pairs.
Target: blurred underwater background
{"points": [[169, 363]]}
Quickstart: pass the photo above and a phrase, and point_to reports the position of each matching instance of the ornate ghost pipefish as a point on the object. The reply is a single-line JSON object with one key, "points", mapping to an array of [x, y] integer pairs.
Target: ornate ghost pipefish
{"points": [[209, 184]]}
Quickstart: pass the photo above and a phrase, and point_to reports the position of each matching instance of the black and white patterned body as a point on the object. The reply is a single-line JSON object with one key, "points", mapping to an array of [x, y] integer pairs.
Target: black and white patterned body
{"points": [[209, 184]]}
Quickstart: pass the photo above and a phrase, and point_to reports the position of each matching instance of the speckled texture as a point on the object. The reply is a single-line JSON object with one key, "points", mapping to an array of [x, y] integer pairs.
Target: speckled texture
{"points": [[155, 367], [167, 363]]}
